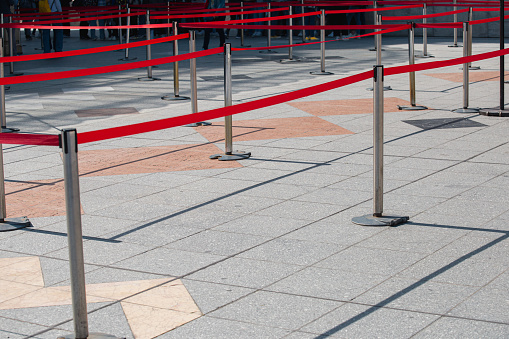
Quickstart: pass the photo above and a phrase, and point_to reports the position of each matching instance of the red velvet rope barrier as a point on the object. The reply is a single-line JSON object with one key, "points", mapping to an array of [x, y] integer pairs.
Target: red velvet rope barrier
{"points": [[440, 25], [364, 10], [122, 131], [31, 57], [210, 15], [106, 69], [29, 139], [418, 17], [288, 27]]}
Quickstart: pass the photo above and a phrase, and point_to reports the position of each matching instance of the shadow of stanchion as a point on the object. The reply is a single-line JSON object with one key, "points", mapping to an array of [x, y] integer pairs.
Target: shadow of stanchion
{"points": [[399, 294]]}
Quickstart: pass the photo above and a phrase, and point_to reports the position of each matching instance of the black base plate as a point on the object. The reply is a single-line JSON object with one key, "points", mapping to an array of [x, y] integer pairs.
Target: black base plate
{"points": [[387, 220], [12, 224]]}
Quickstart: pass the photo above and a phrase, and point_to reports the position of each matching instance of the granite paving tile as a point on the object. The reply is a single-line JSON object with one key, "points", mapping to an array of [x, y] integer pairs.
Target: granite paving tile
{"points": [[447, 327]]}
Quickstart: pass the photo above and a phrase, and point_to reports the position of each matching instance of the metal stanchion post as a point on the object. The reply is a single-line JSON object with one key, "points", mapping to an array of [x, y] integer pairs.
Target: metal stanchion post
{"points": [[168, 33], [377, 218], [376, 21], [455, 31], [411, 61], [194, 86], [290, 39], [149, 51], [378, 47], [126, 57], [465, 108], [470, 30], [322, 47], [228, 124], [303, 11], [176, 87], [269, 32], [69, 144], [242, 30], [12, 43], [424, 36], [120, 37], [3, 117]]}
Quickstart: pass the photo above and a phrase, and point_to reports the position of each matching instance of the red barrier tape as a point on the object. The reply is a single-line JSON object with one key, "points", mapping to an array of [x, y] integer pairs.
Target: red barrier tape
{"points": [[38, 26], [29, 139], [106, 69], [440, 25], [61, 21], [418, 17], [287, 27], [210, 15], [273, 18], [156, 125], [390, 30], [92, 50], [361, 10], [483, 21]]}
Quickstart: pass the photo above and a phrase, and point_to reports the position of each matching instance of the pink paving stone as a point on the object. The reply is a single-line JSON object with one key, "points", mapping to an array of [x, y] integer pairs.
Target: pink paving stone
{"points": [[347, 106], [41, 198], [473, 76], [99, 112], [263, 129], [150, 160]]}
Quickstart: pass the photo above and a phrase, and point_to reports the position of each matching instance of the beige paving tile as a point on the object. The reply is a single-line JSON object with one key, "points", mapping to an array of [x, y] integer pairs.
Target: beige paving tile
{"points": [[121, 290], [148, 322], [24, 271], [12, 290], [473, 76], [347, 106]]}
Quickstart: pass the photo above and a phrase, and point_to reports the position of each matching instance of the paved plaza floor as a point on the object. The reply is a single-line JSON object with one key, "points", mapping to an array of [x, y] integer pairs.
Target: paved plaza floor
{"points": [[180, 246]]}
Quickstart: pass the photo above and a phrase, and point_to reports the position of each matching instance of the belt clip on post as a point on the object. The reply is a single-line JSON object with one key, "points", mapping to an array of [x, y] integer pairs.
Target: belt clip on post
{"points": [[455, 31], [424, 36], [149, 51], [126, 57], [411, 61], [466, 47], [69, 145], [176, 87], [322, 47], [194, 85], [3, 118], [229, 154], [269, 33], [377, 218], [290, 39]]}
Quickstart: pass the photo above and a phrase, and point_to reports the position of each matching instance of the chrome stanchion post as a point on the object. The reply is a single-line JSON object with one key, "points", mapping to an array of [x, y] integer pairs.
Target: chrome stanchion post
{"points": [[322, 47], [303, 11], [424, 36], [455, 31], [465, 108], [411, 61], [228, 123], [269, 33], [120, 37], [377, 218], [12, 43], [3, 112], [376, 21], [176, 87], [470, 30], [242, 30], [126, 57], [194, 86], [378, 48], [149, 51], [168, 30], [69, 145], [290, 39]]}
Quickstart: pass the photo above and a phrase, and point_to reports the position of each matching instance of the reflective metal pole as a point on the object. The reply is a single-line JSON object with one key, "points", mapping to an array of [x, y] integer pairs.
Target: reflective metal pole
{"points": [[11, 48], [168, 33], [228, 123], [377, 218], [3, 208], [375, 21], [176, 82], [466, 69], [322, 47], [470, 32], [411, 61], [290, 34], [378, 42], [192, 66], [424, 32], [269, 32], [242, 18], [120, 37], [303, 21], [74, 231], [149, 47], [455, 31], [3, 112], [128, 32]]}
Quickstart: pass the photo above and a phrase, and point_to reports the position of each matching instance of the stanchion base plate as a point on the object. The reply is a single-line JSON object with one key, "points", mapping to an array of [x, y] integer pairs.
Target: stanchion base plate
{"points": [[321, 73], [92, 336], [386, 88], [387, 220], [7, 88], [15, 74], [472, 68], [237, 155], [374, 49], [174, 98], [9, 130], [268, 51], [12, 224], [412, 108], [466, 110], [148, 79], [494, 112], [422, 56], [454, 46], [127, 59], [244, 46], [285, 61], [200, 123]]}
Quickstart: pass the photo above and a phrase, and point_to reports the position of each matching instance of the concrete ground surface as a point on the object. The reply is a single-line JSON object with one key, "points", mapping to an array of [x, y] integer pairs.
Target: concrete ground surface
{"points": [[180, 246]]}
